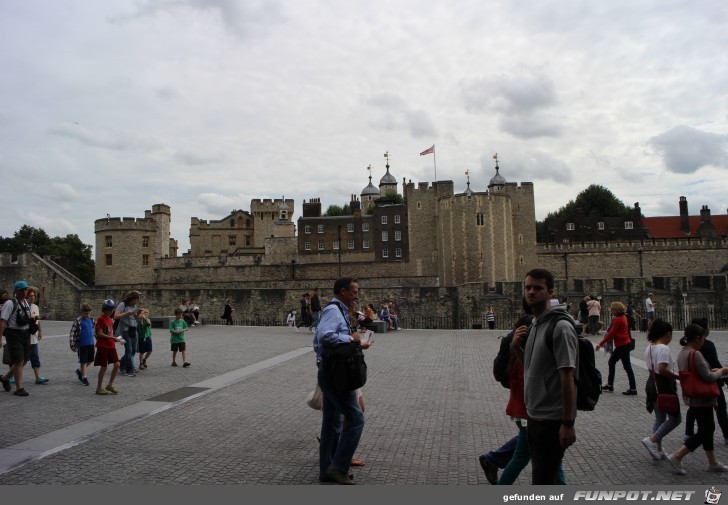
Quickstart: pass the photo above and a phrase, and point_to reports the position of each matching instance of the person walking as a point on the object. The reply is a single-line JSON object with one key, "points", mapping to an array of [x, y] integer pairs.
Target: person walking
{"points": [[619, 333], [315, 309], [490, 317], [663, 381], [36, 337], [126, 314], [594, 308], [227, 313], [16, 325], [690, 359]]}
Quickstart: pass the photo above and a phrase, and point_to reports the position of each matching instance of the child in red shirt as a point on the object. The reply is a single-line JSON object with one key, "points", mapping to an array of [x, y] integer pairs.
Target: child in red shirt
{"points": [[106, 348]]}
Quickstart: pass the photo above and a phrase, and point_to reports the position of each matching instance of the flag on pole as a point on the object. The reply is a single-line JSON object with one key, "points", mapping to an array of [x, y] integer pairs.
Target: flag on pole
{"points": [[431, 150]]}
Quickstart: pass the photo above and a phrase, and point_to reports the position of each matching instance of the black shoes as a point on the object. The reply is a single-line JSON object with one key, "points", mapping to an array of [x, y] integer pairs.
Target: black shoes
{"points": [[21, 392], [5, 383], [491, 471], [339, 477], [630, 392], [607, 387]]}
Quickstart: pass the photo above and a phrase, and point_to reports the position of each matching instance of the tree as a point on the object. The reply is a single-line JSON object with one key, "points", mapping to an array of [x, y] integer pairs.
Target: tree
{"points": [[596, 199], [336, 210]]}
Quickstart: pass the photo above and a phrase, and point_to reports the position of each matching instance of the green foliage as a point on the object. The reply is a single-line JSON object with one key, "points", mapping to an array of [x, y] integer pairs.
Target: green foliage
{"points": [[69, 251], [395, 196], [336, 210], [595, 198]]}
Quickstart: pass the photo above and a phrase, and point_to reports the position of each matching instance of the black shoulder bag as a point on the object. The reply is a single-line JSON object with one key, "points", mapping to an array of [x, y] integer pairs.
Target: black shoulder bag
{"points": [[343, 365]]}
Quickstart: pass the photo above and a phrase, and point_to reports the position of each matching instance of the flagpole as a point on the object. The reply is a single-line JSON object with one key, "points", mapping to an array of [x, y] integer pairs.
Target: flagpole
{"points": [[434, 160]]}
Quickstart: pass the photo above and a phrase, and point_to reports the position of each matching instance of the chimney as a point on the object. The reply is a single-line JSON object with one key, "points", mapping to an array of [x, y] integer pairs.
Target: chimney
{"points": [[684, 222], [705, 214]]}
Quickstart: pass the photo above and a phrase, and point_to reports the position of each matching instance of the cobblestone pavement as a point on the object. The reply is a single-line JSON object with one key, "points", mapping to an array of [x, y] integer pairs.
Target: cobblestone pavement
{"points": [[432, 408]]}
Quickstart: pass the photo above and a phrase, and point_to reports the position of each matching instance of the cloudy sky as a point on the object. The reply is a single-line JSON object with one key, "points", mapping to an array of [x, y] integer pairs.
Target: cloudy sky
{"points": [[109, 107]]}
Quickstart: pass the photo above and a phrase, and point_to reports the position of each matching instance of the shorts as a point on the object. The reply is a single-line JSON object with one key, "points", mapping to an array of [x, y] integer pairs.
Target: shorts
{"points": [[651, 316], [104, 356], [86, 354], [18, 344], [145, 345], [179, 346]]}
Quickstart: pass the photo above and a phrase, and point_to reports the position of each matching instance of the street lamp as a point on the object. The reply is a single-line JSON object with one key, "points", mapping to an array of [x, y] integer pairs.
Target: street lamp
{"points": [[685, 308]]}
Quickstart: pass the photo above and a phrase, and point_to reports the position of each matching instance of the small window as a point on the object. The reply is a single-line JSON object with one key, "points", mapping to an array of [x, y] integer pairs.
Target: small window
{"points": [[145, 241], [351, 244], [350, 227], [397, 235], [109, 261], [565, 241], [335, 245], [365, 227], [307, 246], [284, 214], [628, 225], [520, 238], [232, 223], [231, 240], [320, 245], [419, 205], [385, 236], [365, 244], [570, 226], [109, 241], [397, 219], [398, 252], [600, 225], [384, 219], [145, 260], [247, 240], [479, 219], [320, 228], [307, 229], [385, 253]]}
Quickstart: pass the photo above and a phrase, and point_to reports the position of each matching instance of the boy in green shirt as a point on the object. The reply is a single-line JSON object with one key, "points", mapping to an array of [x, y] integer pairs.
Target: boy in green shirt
{"points": [[177, 329]]}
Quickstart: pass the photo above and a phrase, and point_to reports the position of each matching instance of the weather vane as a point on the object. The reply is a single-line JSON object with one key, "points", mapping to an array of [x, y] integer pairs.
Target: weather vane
{"points": [[467, 173]]}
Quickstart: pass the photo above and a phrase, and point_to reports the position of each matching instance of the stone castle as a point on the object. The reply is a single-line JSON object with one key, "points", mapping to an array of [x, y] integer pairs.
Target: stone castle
{"points": [[434, 251]]}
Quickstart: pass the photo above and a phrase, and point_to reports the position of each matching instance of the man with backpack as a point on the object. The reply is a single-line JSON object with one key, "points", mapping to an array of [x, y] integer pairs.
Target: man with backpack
{"points": [[549, 389]]}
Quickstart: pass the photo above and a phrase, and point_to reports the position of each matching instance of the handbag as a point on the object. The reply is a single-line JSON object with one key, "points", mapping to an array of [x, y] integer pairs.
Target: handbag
{"points": [[315, 398], [667, 403], [344, 366], [695, 387]]}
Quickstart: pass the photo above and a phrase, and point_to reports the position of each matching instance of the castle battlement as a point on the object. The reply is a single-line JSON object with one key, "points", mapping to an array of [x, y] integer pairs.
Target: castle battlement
{"points": [[635, 245], [125, 224]]}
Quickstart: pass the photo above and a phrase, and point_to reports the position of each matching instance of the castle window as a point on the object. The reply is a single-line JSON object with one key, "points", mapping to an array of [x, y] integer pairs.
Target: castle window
{"points": [[231, 240], [351, 244], [628, 225], [520, 260], [479, 219], [108, 260], [307, 229], [600, 225], [365, 227], [385, 236], [397, 235], [385, 253], [384, 219], [109, 241], [365, 244], [419, 205], [350, 227], [247, 240], [320, 228], [570, 226], [284, 214], [335, 245], [398, 252], [145, 241], [232, 223], [320, 245], [397, 219], [145, 260], [307, 246], [520, 238], [247, 223]]}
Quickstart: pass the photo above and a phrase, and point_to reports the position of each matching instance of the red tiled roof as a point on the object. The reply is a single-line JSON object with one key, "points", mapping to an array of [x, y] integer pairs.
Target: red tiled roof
{"points": [[669, 226]]}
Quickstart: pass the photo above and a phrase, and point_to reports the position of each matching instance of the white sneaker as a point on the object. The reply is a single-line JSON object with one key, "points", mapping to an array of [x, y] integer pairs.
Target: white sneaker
{"points": [[676, 465], [719, 468], [651, 448]]}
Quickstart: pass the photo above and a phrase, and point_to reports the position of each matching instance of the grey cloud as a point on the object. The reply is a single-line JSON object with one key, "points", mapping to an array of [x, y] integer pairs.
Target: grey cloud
{"points": [[527, 127], [529, 166], [64, 191], [193, 159], [386, 100], [217, 204], [103, 140], [420, 124], [398, 115], [684, 149]]}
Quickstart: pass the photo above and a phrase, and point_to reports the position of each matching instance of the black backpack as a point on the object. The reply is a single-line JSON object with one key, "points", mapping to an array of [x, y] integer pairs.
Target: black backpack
{"points": [[500, 363], [588, 379], [344, 366]]}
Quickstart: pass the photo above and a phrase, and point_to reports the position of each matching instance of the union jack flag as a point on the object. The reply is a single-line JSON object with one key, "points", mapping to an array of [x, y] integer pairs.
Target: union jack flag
{"points": [[431, 150]]}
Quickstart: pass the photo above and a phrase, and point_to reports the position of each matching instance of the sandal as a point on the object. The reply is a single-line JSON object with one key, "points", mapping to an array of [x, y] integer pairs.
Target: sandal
{"points": [[357, 462]]}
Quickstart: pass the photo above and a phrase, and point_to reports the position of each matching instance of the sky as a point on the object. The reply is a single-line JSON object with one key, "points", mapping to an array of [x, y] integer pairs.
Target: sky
{"points": [[109, 107]]}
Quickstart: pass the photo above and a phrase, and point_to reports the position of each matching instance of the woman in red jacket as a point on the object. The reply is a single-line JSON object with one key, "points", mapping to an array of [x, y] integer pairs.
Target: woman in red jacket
{"points": [[619, 332]]}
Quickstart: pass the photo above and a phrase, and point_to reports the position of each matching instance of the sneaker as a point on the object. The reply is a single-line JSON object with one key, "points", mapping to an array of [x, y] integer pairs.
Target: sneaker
{"points": [[42, 380], [676, 465], [185, 365], [111, 389], [12, 380], [651, 448], [5, 383], [323, 477], [719, 468], [630, 392], [607, 387], [78, 374], [20, 392], [174, 363], [662, 455], [340, 477], [490, 470], [102, 392], [129, 374], [85, 381], [136, 370]]}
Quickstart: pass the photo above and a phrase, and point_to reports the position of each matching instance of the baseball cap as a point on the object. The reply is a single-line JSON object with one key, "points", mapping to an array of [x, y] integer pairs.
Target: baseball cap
{"points": [[20, 285], [108, 304]]}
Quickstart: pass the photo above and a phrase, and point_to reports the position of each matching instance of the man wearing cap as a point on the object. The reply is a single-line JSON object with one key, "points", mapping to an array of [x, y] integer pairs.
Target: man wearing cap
{"points": [[15, 323]]}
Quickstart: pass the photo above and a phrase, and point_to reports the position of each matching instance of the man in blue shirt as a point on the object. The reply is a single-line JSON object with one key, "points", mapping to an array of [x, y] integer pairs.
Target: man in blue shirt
{"points": [[338, 444]]}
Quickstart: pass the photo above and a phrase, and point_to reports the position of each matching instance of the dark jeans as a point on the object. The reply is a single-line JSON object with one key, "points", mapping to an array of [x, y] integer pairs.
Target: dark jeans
{"points": [[720, 414], [546, 451], [127, 361], [501, 456], [593, 325], [621, 353], [706, 428]]}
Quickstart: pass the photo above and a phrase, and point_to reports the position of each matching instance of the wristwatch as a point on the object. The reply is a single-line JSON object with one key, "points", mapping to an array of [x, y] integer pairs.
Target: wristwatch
{"points": [[569, 423]]}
